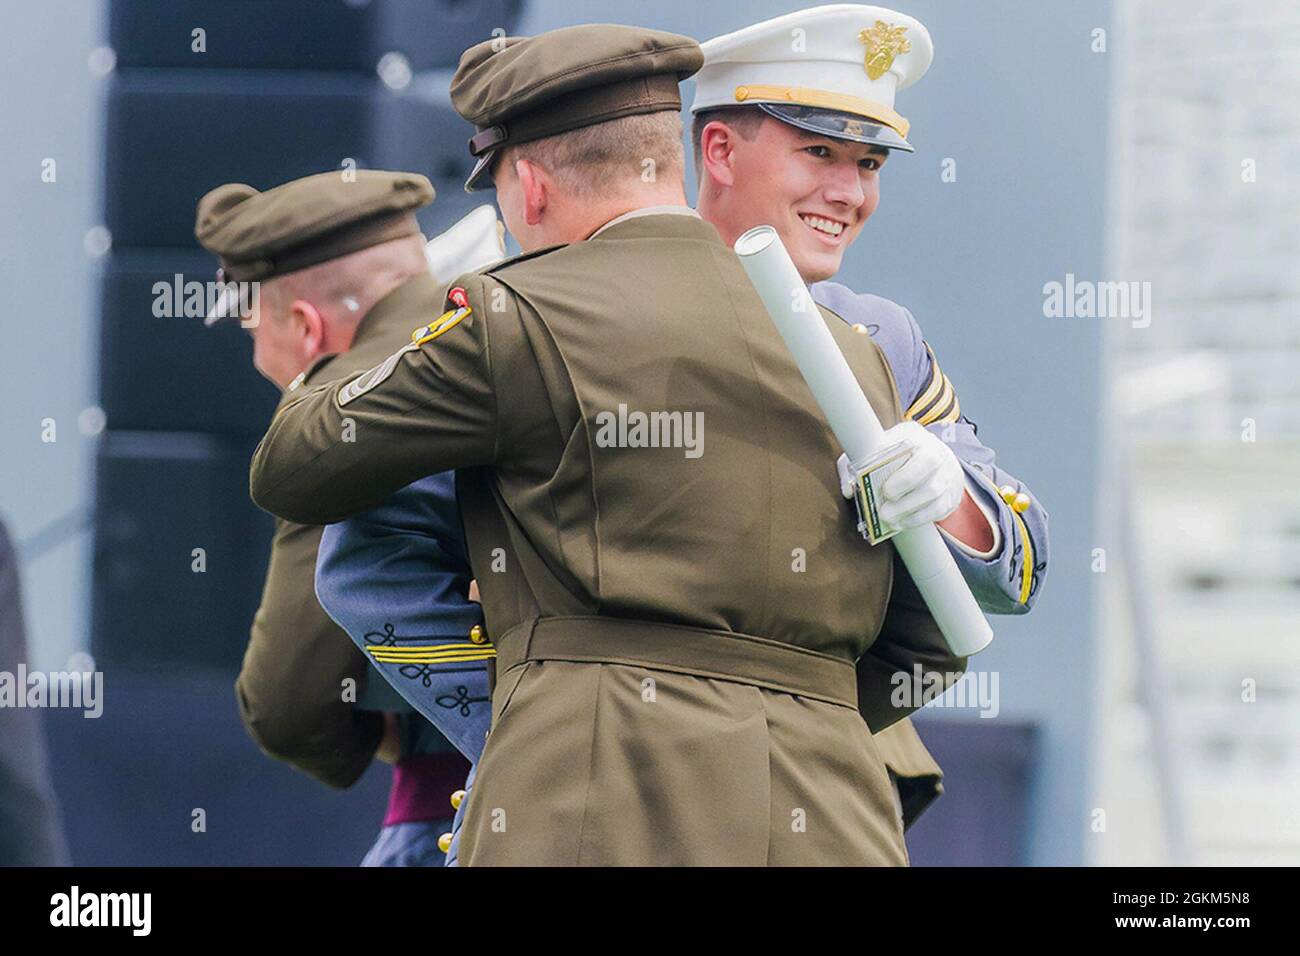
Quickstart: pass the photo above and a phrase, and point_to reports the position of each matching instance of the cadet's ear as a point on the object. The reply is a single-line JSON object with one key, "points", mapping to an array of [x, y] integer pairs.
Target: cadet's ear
{"points": [[532, 183], [308, 324], [718, 152]]}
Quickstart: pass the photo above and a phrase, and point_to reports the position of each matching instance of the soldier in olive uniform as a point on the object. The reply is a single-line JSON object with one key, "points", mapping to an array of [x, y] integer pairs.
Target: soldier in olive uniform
{"points": [[341, 273], [686, 673]]}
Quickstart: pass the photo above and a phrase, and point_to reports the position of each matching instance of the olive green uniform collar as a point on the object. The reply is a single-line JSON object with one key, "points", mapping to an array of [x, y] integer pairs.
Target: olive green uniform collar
{"points": [[647, 211], [659, 222]]}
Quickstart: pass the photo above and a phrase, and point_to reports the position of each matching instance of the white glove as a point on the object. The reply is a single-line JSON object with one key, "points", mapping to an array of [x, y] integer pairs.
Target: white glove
{"points": [[927, 487]]}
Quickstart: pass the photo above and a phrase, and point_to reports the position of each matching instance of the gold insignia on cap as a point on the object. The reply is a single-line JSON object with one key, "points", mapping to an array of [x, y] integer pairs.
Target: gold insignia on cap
{"points": [[883, 44]]}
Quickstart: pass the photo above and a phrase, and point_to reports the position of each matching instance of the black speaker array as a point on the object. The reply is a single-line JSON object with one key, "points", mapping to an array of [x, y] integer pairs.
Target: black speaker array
{"points": [[334, 36], [254, 91]]}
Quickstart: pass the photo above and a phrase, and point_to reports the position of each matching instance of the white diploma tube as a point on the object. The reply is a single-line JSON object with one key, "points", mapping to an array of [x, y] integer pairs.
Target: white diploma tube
{"points": [[857, 429]]}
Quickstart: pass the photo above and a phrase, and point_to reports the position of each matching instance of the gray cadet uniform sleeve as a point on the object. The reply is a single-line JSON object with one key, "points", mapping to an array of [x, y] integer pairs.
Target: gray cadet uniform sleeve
{"points": [[1007, 579]]}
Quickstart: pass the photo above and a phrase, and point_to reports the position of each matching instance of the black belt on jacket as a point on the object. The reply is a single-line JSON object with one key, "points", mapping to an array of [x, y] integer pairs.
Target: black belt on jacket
{"points": [[703, 652]]}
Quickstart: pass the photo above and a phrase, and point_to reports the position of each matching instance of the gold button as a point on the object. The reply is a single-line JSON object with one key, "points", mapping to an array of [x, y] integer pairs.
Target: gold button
{"points": [[476, 634], [742, 93], [444, 842], [1008, 493], [1020, 504], [457, 799], [859, 328]]}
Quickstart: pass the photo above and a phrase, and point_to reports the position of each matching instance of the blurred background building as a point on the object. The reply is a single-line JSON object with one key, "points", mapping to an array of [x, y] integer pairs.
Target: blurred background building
{"points": [[1105, 142], [1204, 679]]}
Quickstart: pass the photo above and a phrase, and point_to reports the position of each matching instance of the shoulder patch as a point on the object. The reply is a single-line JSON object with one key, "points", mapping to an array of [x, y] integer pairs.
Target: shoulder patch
{"points": [[370, 378], [444, 323]]}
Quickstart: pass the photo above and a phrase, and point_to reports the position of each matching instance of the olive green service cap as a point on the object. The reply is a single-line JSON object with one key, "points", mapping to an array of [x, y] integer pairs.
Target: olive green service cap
{"points": [[261, 235], [518, 89]]}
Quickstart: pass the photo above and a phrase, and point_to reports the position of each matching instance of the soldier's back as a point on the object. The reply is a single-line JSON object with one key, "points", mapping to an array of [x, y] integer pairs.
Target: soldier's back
{"points": [[693, 477], [650, 708]]}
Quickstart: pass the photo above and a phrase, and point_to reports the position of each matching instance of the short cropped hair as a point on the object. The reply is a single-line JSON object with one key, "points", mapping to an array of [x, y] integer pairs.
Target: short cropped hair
{"points": [[596, 159], [745, 120]]}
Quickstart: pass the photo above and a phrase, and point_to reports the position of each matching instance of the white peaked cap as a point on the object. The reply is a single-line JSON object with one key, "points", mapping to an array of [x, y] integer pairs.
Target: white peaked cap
{"points": [[832, 69]]}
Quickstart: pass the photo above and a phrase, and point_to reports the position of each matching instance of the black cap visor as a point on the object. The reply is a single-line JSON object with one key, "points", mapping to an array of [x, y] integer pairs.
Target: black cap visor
{"points": [[837, 125]]}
